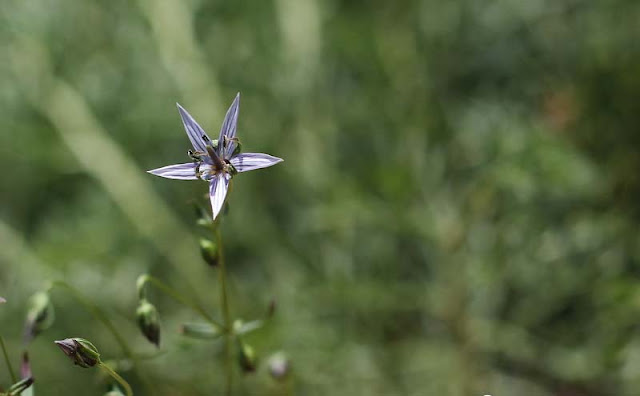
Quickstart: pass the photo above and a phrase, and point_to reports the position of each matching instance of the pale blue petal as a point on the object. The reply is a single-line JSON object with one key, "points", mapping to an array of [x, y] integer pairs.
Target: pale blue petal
{"points": [[249, 161], [195, 132], [178, 171], [228, 129], [217, 192]]}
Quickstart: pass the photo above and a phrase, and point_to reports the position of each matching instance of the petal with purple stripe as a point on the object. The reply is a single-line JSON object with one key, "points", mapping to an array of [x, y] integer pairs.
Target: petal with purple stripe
{"points": [[249, 161], [228, 129], [179, 171], [217, 192], [194, 131]]}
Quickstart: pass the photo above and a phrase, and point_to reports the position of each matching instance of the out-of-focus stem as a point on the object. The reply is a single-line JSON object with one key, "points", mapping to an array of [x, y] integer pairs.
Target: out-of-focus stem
{"points": [[14, 379], [98, 314], [224, 305], [182, 300], [117, 377]]}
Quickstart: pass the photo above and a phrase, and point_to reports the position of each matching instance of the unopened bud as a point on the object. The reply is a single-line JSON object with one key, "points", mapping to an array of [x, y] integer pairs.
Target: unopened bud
{"points": [[210, 252], [279, 366], [149, 321], [20, 386], [82, 352], [40, 315], [200, 330], [114, 391], [246, 358]]}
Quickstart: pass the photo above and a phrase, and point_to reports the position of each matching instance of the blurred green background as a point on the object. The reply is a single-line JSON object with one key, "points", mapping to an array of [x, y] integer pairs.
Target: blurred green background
{"points": [[457, 213]]}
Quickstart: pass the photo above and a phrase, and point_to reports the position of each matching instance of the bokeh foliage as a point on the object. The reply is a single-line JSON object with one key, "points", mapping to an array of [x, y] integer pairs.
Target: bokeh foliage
{"points": [[457, 212]]}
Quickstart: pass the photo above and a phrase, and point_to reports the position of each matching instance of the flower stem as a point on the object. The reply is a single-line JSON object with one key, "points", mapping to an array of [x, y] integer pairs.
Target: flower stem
{"points": [[99, 315], [117, 377], [14, 379], [181, 299], [226, 316]]}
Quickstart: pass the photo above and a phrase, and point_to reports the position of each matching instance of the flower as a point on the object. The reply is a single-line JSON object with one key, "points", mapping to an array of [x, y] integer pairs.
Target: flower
{"points": [[215, 161]]}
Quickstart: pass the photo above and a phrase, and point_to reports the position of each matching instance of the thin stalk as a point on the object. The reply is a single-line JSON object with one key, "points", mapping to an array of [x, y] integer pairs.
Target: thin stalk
{"points": [[14, 379], [117, 377], [226, 316], [98, 314], [184, 301]]}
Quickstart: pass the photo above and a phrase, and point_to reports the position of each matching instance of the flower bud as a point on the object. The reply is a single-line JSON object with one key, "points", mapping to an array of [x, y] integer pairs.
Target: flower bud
{"points": [[82, 352], [20, 386], [149, 321], [199, 330], [40, 315], [209, 251], [279, 366], [246, 358], [114, 391]]}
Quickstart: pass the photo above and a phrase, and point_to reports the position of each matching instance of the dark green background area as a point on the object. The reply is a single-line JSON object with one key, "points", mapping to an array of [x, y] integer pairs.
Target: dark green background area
{"points": [[457, 212]]}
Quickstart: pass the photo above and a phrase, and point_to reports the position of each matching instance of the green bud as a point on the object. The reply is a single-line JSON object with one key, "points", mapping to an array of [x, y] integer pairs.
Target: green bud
{"points": [[246, 357], [114, 391], [210, 252], [82, 352], [149, 321], [200, 330], [40, 315], [20, 386], [279, 366]]}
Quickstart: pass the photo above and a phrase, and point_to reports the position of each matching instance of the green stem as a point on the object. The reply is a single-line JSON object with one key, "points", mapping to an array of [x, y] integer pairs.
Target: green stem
{"points": [[98, 314], [14, 379], [224, 302], [117, 377], [184, 301]]}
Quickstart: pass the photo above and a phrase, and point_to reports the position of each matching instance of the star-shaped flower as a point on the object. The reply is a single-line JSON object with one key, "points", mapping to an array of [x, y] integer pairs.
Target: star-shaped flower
{"points": [[215, 161]]}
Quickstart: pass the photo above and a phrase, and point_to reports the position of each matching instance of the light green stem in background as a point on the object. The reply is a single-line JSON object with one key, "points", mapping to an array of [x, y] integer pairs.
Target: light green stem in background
{"points": [[224, 305], [14, 379], [181, 299], [117, 377], [99, 315]]}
